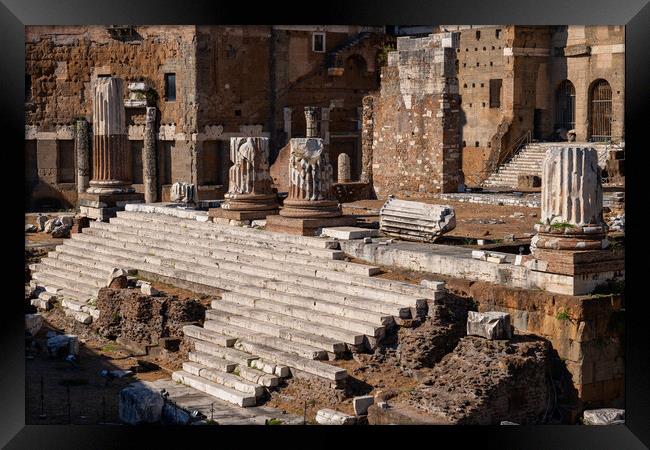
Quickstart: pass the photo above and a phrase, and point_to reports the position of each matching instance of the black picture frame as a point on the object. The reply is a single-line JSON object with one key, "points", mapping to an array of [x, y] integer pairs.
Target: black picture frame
{"points": [[634, 14]]}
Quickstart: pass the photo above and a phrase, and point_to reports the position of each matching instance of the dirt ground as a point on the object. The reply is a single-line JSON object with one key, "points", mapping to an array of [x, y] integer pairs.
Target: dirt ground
{"points": [[468, 218], [60, 392]]}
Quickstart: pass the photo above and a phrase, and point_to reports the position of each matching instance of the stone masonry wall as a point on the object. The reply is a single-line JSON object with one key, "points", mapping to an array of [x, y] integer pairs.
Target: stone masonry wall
{"points": [[416, 119]]}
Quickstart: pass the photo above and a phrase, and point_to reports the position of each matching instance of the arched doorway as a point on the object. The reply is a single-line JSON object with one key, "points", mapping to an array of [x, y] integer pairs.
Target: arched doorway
{"points": [[565, 100], [600, 111]]}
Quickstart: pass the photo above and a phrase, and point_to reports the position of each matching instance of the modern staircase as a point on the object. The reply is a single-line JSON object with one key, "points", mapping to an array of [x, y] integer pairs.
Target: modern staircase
{"points": [[529, 161], [288, 303]]}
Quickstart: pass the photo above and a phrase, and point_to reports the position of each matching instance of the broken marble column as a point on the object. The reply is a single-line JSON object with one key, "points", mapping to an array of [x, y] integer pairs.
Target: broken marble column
{"points": [[415, 221], [310, 172], [343, 168], [572, 201], [110, 140], [250, 193], [82, 150], [182, 192], [149, 172], [572, 190], [311, 124]]}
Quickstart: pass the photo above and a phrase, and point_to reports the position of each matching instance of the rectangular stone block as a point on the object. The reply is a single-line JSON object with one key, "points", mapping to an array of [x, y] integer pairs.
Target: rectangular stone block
{"points": [[306, 227], [361, 404], [349, 232], [332, 417], [490, 325]]}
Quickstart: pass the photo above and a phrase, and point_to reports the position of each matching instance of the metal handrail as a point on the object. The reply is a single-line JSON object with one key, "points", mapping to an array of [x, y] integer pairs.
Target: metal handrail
{"points": [[493, 166]]}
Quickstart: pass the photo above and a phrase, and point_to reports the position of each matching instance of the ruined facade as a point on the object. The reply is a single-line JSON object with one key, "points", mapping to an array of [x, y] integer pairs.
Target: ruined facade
{"points": [[208, 84], [503, 85], [516, 83]]}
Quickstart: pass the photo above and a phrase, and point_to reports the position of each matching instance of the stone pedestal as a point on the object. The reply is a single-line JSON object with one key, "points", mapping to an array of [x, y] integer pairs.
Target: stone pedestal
{"points": [[311, 199], [250, 195], [109, 188], [572, 236]]}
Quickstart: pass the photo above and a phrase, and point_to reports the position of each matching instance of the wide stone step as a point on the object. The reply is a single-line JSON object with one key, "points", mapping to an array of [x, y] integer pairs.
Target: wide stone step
{"points": [[376, 299], [79, 267], [214, 362], [90, 277], [209, 241], [226, 379], [233, 324], [203, 334], [305, 350], [252, 237], [216, 390], [48, 278], [302, 241], [224, 310], [284, 294], [227, 353], [335, 302], [297, 312], [317, 368]]}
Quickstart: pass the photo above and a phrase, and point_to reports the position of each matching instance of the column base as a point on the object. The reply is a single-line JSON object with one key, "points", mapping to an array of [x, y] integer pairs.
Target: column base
{"points": [[576, 262], [103, 206], [221, 213], [306, 209], [109, 187], [306, 226]]}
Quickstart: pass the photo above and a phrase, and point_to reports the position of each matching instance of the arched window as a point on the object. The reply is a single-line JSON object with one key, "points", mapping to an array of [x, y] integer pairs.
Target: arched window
{"points": [[565, 100], [600, 111]]}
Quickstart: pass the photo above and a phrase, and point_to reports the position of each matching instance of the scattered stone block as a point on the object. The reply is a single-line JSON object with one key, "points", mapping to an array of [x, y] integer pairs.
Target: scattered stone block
{"points": [[479, 254], [117, 279], [367, 240], [415, 221], [30, 228], [202, 218], [51, 224], [349, 232], [33, 323], [148, 289], [497, 259], [140, 404], [66, 221], [431, 284], [63, 343], [332, 417], [259, 223], [492, 325], [61, 231], [480, 242], [604, 416], [361, 404]]}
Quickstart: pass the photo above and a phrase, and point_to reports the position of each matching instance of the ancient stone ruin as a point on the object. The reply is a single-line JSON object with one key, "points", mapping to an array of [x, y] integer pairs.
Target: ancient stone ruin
{"points": [[250, 195]]}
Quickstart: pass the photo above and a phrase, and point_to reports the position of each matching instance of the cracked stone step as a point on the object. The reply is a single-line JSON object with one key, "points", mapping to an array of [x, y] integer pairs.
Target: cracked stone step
{"points": [[204, 334], [214, 362], [226, 379], [305, 350], [234, 325], [230, 354], [216, 390]]}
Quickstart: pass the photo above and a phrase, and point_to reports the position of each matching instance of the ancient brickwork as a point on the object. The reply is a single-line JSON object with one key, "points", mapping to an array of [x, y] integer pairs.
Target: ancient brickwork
{"points": [[416, 118]]}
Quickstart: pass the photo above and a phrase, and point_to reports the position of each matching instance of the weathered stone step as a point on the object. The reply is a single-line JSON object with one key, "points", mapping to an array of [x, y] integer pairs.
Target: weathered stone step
{"points": [[297, 312], [226, 379], [305, 350], [88, 278], [215, 233], [265, 268], [226, 353], [48, 278], [79, 267], [224, 310], [206, 247], [317, 368], [256, 297], [304, 241], [257, 376], [232, 324], [214, 389], [204, 334], [214, 362]]}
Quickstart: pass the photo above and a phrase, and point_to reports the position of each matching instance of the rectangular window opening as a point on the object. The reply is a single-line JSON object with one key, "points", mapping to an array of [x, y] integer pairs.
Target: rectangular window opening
{"points": [[495, 93], [318, 42], [170, 87]]}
